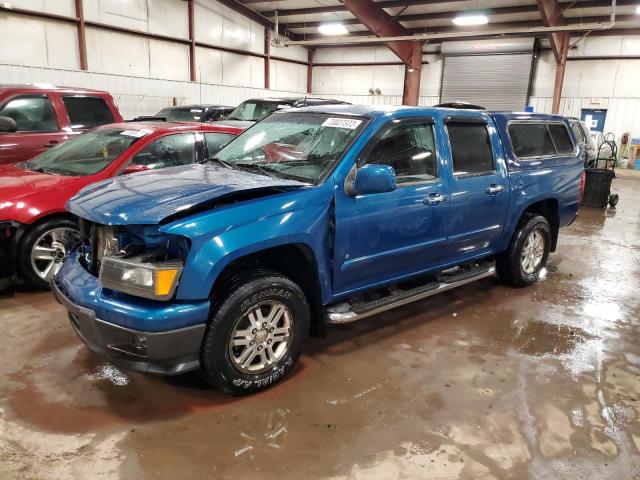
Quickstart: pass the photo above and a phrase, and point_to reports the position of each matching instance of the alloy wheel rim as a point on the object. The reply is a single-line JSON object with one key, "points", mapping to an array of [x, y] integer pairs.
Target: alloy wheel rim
{"points": [[532, 252], [50, 250], [261, 337]]}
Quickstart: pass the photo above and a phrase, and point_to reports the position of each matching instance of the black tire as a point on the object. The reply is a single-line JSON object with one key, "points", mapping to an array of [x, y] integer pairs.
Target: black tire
{"points": [[25, 267], [613, 200], [244, 296], [509, 264]]}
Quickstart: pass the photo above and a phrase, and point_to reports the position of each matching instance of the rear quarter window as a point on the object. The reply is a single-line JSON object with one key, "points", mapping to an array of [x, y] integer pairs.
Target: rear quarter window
{"points": [[561, 138], [531, 140], [87, 112]]}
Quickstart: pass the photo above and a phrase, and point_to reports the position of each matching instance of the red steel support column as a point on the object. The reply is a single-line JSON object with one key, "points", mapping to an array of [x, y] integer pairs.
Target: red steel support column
{"points": [[82, 41], [559, 81], [267, 58], [551, 14], [192, 44], [380, 23], [310, 54]]}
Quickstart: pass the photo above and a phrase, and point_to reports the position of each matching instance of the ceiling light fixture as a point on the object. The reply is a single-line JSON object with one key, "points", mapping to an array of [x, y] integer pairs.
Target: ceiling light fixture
{"points": [[470, 19], [333, 29], [638, 10]]}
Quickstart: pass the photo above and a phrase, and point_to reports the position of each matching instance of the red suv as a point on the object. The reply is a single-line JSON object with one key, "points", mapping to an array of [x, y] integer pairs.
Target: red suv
{"points": [[35, 230], [36, 117]]}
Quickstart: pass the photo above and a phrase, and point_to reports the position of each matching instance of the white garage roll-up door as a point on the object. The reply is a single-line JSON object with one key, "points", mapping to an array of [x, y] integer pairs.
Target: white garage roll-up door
{"points": [[497, 81]]}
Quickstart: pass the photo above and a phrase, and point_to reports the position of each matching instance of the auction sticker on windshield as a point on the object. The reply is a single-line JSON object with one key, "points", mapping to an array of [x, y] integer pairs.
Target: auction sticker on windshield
{"points": [[135, 133], [350, 123]]}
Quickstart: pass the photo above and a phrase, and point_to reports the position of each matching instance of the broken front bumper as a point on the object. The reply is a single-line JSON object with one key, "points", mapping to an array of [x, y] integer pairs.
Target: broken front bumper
{"points": [[150, 350]]}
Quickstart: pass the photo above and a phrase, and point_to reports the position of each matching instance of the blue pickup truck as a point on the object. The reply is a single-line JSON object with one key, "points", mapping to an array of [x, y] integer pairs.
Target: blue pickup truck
{"points": [[316, 216]]}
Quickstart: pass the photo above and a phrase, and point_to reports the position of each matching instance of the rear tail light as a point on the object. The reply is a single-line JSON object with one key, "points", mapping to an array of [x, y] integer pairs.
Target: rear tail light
{"points": [[582, 183]]}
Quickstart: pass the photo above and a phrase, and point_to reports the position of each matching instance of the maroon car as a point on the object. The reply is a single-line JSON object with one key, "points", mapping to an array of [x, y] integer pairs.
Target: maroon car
{"points": [[35, 117]]}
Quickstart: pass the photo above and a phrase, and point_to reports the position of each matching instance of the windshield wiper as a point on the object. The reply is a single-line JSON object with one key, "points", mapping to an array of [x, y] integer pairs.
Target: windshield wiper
{"points": [[217, 160], [256, 166], [41, 170]]}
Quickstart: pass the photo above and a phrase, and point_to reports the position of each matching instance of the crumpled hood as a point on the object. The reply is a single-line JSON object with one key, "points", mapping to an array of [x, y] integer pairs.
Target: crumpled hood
{"points": [[148, 198]]}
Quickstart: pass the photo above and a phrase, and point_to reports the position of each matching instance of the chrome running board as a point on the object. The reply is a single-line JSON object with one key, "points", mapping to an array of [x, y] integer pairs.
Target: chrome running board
{"points": [[347, 312]]}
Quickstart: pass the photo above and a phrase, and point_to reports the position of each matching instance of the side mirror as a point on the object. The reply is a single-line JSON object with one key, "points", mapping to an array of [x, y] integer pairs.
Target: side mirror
{"points": [[8, 125], [134, 168], [374, 178]]}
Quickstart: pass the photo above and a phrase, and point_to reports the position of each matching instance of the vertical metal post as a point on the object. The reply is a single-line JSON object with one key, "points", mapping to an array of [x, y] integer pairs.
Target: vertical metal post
{"points": [[559, 81], [267, 57], [310, 55], [192, 44], [82, 41]]}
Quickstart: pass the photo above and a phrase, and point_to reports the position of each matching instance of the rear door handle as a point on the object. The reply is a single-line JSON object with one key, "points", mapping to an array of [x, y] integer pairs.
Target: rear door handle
{"points": [[434, 199], [495, 188]]}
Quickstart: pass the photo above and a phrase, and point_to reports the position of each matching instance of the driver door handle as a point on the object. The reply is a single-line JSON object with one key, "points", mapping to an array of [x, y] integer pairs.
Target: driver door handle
{"points": [[434, 199], [495, 188]]}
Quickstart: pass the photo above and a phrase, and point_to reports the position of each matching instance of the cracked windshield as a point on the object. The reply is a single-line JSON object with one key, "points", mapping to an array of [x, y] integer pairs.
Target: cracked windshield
{"points": [[299, 146]]}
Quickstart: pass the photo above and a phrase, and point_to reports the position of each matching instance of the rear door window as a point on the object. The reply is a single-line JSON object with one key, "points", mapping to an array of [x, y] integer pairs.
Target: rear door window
{"points": [[32, 113], [87, 112], [470, 148]]}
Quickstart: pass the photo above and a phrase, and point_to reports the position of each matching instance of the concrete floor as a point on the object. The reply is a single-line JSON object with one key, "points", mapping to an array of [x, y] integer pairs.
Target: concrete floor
{"points": [[486, 382]]}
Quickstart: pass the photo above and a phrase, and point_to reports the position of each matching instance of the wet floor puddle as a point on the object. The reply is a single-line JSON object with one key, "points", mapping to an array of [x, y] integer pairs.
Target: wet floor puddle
{"points": [[540, 338]]}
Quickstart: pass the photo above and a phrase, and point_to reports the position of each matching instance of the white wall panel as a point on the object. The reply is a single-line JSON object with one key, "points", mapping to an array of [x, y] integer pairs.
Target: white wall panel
{"points": [[208, 65], [117, 53], [294, 52], [41, 42], [355, 55], [168, 60], [121, 13], [218, 25], [138, 95], [58, 7], [242, 70], [288, 76], [431, 76], [167, 17]]}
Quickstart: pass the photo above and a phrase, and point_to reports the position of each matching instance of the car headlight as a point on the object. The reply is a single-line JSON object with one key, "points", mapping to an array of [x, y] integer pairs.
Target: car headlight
{"points": [[140, 277]]}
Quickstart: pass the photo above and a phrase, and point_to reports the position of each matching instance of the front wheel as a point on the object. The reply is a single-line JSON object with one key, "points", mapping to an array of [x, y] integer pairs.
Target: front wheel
{"points": [[528, 252], [43, 250], [256, 334]]}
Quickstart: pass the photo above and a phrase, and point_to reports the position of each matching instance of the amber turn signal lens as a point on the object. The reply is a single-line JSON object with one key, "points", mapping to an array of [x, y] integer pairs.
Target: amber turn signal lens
{"points": [[164, 281]]}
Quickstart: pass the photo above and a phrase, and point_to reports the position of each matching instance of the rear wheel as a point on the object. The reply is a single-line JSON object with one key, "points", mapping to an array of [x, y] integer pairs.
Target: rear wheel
{"points": [[528, 252], [256, 335], [43, 250]]}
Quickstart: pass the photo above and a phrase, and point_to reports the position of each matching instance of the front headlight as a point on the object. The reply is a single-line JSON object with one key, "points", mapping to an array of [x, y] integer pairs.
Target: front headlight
{"points": [[140, 277]]}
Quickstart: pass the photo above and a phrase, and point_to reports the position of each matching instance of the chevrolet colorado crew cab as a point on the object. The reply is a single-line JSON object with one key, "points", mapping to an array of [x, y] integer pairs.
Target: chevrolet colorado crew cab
{"points": [[320, 215]]}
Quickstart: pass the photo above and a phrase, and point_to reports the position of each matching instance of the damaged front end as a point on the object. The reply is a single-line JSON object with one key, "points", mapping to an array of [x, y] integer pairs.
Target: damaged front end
{"points": [[137, 260]]}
